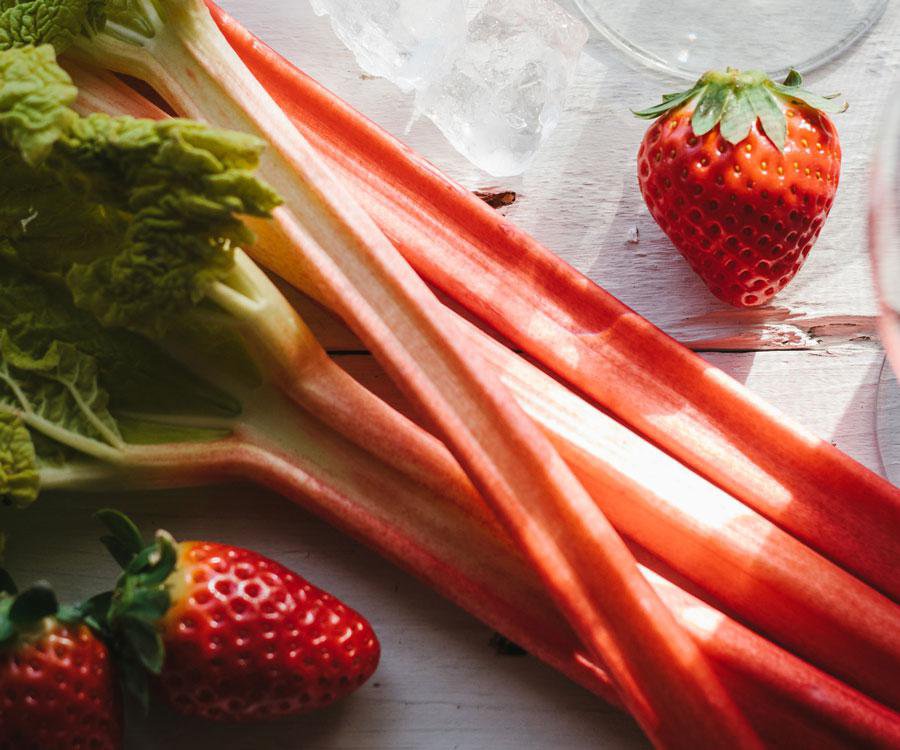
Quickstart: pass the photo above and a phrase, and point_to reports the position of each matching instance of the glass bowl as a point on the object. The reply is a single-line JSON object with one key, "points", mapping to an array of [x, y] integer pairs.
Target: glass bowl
{"points": [[687, 37]]}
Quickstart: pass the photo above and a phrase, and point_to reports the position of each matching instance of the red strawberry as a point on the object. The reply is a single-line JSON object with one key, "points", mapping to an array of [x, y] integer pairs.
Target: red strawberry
{"points": [[57, 689], [232, 635], [740, 173]]}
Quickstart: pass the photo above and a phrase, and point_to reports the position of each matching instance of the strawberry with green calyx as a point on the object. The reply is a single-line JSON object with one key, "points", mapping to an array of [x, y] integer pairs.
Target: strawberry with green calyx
{"points": [[226, 633], [740, 172], [57, 687]]}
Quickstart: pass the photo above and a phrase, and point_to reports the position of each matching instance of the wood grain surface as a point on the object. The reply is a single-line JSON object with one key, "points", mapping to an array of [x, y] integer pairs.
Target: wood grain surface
{"points": [[441, 686]]}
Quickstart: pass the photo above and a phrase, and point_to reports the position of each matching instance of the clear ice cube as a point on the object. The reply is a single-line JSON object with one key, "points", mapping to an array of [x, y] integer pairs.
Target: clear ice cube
{"points": [[405, 41], [503, 92]]}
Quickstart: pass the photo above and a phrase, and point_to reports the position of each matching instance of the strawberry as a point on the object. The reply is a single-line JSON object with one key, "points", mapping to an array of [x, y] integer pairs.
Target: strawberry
{"points": [[229, 634], [740, 172], [57, 688]]}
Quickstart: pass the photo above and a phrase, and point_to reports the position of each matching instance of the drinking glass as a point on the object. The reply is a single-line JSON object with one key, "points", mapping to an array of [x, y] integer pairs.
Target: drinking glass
{"points": [[687, 37]]}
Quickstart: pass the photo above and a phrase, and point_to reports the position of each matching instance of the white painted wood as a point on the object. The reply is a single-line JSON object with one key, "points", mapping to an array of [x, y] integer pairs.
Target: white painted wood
{"points": [[440, 686]]}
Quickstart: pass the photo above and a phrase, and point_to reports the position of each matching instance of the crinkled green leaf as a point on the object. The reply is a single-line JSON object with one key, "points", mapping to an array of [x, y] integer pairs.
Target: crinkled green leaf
{"points": [[108, 224], [60, 386], [35, 94], [56, 22], [55, 362], [159, 202], [131, 15], [56, 386], [138, 376], [19, 478]]}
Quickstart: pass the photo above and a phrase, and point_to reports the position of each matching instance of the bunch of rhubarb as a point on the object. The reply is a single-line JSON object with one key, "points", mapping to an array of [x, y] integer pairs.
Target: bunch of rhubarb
{"points": [[146, 347]]}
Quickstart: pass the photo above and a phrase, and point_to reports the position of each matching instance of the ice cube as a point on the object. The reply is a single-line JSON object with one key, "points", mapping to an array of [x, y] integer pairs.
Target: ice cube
{"points": [[405, 41], [503, 93]]}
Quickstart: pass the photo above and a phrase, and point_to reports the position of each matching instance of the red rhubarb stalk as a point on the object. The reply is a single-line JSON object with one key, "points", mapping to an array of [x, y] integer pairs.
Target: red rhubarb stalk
{"points": [[455, 548], [749, 566], [658, 669], [573, 327]]}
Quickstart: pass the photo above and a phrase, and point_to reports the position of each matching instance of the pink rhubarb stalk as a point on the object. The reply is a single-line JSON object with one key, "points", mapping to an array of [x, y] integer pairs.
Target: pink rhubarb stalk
{"points": [[658, 670], [574, 328]]}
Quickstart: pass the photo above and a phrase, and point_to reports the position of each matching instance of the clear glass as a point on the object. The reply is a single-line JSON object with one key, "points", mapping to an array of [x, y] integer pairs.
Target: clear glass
{"points": [[687, 37], [884, 235]]}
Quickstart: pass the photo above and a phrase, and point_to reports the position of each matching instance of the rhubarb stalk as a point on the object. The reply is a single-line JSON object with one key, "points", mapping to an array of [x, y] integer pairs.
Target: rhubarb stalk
{"points": [[750, 567], [161, 197], [574, 328]]}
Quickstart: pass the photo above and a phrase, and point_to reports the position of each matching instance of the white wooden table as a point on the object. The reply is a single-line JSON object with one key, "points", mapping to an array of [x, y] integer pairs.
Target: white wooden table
{"points": [[441, 687]]}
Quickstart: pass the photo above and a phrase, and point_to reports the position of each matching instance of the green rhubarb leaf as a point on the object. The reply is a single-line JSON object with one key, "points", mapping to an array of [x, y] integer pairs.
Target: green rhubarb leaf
{"points": [[19, 478], [56, 390], [62, 376], [159, 203], [133, 16], [35, 94], [138, 376], [56, 22], [183, 185]]}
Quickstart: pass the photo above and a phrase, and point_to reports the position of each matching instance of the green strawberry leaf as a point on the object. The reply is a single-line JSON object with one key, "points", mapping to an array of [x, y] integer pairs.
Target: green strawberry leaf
{"points": [[737, 118], [709, 109], [129, 616], [145, 642], [769, 113], [119, 550], [124, 535], [7, 584], [149, 605], [669, 102], [33, 605], [734, 99], [94, 613], [793, 78], [163, 561], [829, 104], [134, 679]]}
